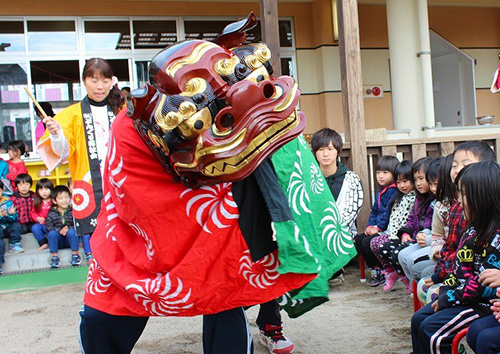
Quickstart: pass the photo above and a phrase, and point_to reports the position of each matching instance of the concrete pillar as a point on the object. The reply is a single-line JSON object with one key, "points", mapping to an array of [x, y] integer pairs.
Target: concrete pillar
{"points": [[406, 70], [426, 64]]}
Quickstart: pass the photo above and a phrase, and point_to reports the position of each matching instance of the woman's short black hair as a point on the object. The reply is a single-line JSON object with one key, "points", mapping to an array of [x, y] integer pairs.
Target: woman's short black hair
{"points": [[480, 184], [324, 137]]}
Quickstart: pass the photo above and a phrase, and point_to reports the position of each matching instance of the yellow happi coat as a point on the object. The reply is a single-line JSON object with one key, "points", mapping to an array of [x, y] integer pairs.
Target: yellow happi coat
{"points": [[73, 127]]}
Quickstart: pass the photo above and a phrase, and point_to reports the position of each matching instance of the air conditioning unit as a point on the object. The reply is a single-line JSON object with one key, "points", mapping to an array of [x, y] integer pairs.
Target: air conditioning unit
{"points": [[373, 91]]}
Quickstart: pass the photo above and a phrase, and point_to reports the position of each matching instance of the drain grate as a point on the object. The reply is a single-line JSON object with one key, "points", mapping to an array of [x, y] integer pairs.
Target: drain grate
{"points": [[39, 270]]}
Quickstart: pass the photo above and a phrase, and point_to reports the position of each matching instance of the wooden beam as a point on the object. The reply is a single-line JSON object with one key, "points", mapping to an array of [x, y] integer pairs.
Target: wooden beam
{"points": [[270, 31], [390, 150], [447, 148], [352, 96], [418, 151]]}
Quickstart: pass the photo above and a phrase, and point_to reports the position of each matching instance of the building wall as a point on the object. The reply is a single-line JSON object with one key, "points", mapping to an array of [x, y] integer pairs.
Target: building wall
{"points": [[474, 30]]}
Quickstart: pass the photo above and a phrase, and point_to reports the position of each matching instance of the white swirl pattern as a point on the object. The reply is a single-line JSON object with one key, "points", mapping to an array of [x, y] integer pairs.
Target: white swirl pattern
{"points": [[112, 214], [335, 233], [286, 299], [147, 241], [261, 274], [97, 281], [213, 203], [317, 185], [297, 193], [115, 166], [158, 296]]}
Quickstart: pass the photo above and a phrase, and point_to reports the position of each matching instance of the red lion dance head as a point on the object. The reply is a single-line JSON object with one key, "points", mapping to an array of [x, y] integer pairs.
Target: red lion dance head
{"points": [[213, 112]]}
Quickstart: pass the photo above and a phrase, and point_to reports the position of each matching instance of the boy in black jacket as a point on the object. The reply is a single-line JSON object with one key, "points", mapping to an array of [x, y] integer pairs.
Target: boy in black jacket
{"points": [[60, 226]]}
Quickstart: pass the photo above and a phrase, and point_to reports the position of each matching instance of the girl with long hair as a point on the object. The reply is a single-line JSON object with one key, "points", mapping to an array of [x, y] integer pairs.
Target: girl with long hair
{"points": [[463, 297]]}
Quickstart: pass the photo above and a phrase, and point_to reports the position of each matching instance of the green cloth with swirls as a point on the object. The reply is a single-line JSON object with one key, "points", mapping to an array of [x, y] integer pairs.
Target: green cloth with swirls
{"points": [[316, 238]]}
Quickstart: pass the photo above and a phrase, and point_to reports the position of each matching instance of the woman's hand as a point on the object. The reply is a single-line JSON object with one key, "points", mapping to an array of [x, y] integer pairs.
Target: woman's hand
{"points": [[52, 125], [490, 277], [405, 238], [64, 231], [40, 220], [12, 210]]}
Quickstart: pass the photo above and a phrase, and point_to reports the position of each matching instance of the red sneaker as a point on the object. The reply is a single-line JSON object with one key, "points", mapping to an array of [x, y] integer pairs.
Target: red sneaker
{"points": [[272, 337]]}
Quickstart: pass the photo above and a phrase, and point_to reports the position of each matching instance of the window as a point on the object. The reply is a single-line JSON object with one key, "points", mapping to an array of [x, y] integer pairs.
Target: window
{"points": [[50, 50], [12, 36], [154, 34], [107, 35], [205, 29], [14, 110], [142, 73], [52, 36], [285, 29]]}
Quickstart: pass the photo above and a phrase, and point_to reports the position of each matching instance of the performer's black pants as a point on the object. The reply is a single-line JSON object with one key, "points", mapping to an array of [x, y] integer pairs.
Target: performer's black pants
{"points": [[224, 332], [269, 313]]}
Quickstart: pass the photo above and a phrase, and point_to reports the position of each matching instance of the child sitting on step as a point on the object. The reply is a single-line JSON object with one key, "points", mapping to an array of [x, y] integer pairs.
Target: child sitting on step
{"points": [[9, 228], [23, 200], [41, 206], [60, 227]]}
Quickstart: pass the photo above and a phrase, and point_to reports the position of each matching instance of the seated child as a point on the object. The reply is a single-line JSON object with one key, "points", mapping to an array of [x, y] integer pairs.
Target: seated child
{"points": [[23, 200], [379, 216], [420, 218], [41, 206], [9, 226], [463, 298], [16, 149], [402, 206], [419, 252], [484, 334], [60, 227], [465, 154]]}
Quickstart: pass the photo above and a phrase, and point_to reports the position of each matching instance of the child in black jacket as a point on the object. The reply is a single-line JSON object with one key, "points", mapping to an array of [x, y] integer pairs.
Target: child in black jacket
{"points": [[60, 226]]}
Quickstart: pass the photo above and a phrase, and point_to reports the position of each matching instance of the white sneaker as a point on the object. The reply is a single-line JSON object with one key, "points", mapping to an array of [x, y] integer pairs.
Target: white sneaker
{"points": [[273, 338]]}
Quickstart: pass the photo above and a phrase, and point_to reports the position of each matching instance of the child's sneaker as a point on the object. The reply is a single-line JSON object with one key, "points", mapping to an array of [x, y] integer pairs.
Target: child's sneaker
{"points": [[390, 281], [89, 257], [75, 260], [16, 248], [375, 277], [272, 337], [55, 262]]}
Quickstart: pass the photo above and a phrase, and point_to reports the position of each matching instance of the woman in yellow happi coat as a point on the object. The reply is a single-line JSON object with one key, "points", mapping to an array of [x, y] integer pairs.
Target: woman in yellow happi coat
{"points": [[79, 135]]}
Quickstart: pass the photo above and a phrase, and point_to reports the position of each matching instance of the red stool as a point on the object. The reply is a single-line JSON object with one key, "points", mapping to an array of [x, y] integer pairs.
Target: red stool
{"points": [[362, 269], [417, 304], [456, 341]]}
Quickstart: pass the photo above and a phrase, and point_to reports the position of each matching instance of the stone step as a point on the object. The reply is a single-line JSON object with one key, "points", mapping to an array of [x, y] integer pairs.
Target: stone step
{"points": [[32, 259]]}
